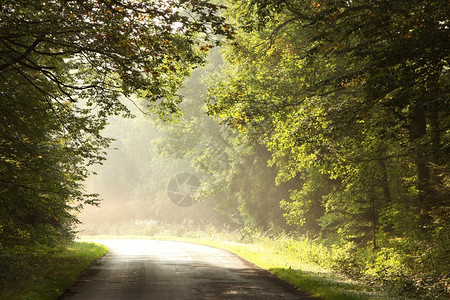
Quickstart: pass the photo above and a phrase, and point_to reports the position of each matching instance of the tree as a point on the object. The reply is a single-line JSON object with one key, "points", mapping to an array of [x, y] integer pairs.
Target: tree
{"points": [[63, 66], [232, 167], [352, 97], [384, 63]]}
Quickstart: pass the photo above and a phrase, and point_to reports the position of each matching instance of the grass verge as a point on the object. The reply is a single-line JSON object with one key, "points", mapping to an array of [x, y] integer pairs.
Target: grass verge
{"points": [[44, 273], [309, 277]]}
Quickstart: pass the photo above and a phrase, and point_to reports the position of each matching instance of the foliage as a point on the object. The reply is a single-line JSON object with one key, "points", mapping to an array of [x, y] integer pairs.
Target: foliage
{"points": [[333, 112], [63, 66], [324, 109], [351, 100], [232, 167]]}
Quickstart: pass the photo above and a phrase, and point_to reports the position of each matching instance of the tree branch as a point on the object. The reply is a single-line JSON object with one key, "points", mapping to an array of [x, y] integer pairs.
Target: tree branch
{"points": [[23, 55]]}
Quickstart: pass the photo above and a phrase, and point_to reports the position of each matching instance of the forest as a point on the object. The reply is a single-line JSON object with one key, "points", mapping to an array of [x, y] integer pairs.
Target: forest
{"points": [[322, 121]]}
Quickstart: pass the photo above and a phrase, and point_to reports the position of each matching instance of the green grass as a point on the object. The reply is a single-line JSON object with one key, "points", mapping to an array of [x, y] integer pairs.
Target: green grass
{"points": [[285, 263], [44, 273], [308, 277]]}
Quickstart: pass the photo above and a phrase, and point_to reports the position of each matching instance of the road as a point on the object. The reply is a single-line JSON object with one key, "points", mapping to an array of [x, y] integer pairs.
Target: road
{"points": [[148, 269]]}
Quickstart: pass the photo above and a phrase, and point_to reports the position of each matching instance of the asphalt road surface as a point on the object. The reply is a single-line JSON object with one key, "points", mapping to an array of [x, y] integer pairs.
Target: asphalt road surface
{"points": [[147, 269]]}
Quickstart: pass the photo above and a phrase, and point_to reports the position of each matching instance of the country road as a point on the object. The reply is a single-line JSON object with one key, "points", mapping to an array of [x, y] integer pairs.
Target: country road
{"points": [[148, 269]]}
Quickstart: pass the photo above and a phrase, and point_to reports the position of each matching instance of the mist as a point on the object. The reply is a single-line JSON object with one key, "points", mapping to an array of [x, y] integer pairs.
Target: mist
{"points": [[146, 154], [132, 183]]}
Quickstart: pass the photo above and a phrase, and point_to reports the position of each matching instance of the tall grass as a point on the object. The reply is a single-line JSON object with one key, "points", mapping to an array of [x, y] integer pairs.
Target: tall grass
{"points": [[331, 269], [304, 263]]}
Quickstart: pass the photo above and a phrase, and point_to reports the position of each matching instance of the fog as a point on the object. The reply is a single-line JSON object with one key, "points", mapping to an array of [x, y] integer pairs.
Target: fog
{"points": [[132, 183], [146, 155]]}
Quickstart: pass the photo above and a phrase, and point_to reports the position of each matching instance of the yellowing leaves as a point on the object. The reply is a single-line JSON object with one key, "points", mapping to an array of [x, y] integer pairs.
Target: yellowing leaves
{"points": [[314, 3], [351, 83], [205, 48]]}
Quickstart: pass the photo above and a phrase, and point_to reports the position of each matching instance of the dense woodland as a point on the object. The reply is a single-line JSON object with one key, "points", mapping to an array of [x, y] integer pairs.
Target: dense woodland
{"points": [[322, 120]]}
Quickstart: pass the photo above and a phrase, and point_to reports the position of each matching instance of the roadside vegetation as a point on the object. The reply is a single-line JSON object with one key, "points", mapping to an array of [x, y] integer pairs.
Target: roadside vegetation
{"points": [[41, 273], [306, 265], [329, 271]]}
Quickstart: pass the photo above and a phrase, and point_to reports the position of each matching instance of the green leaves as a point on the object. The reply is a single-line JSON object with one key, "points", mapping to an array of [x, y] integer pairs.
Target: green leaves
{"points": [[63, 67], [352, 99]]}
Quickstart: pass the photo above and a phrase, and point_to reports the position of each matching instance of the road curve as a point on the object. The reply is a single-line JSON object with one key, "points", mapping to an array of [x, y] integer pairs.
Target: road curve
{"points": [[148, 269]]}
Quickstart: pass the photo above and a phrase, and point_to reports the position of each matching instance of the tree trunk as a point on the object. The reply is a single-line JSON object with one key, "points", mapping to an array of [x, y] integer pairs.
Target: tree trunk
{"points": [[385, 182], [435, 136], [417, 132]]}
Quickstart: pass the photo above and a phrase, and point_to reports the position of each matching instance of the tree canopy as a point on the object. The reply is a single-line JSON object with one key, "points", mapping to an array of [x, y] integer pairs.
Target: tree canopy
{"points": [[352, 100], [64, 66]]}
